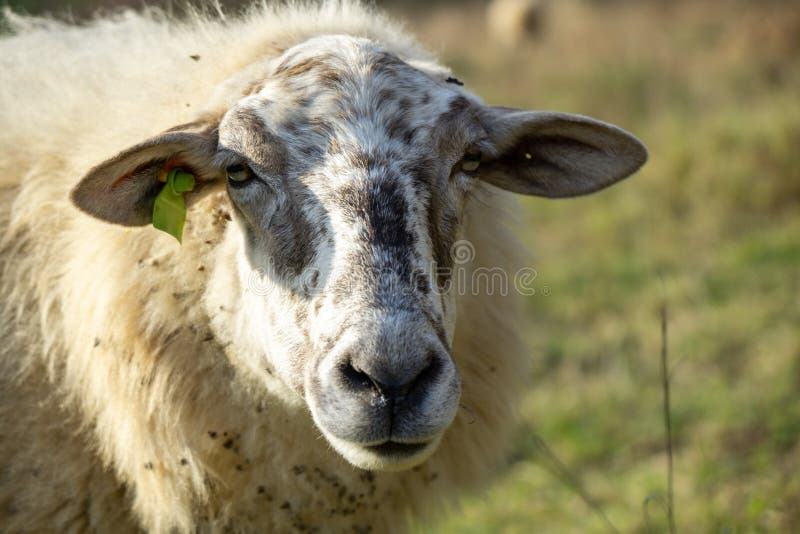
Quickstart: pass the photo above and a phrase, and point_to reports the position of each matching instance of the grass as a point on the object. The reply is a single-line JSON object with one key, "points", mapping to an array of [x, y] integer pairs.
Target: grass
{"points": [[711, 226]]}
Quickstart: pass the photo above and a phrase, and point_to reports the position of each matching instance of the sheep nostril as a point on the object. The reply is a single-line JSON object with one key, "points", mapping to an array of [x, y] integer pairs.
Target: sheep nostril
{"points": [[421, 380], [426, 376], [412, 377], [355, 378]]}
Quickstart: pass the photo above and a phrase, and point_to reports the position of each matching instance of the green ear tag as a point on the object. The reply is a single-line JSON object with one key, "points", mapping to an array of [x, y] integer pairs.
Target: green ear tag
{"points": [[169, 210]]}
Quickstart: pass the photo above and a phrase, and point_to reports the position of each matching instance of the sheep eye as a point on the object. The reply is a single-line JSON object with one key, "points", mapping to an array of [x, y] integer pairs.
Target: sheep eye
{"points": [[471, 160], [238, 174]]}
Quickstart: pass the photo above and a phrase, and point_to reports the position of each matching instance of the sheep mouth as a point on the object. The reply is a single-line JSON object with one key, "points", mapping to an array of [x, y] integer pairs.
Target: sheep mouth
{"points": [[388, 455], [395, 448]]}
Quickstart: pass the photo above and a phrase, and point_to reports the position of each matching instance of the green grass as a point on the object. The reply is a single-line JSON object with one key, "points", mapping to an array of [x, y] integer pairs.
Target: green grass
{"points": [[711, 226]]}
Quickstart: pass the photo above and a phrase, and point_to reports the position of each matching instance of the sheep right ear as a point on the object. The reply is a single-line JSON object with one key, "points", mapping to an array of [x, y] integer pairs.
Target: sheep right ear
{"points": [[551, 154], [123, 189]]}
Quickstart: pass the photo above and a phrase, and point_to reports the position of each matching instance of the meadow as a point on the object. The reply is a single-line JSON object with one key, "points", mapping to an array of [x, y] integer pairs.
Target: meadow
{"points": [[710, 230]]}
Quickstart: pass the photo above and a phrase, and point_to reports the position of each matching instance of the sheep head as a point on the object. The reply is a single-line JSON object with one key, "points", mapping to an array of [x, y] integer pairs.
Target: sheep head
{"points": [[348, 170]]}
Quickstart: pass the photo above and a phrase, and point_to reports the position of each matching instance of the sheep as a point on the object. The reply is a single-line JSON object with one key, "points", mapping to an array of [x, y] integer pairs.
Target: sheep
{"points": [[512, 22], [304, 360]]}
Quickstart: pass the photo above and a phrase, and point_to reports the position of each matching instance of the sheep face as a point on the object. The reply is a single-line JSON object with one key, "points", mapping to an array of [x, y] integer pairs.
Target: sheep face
{"points": [[348, 198], [348, 170]]}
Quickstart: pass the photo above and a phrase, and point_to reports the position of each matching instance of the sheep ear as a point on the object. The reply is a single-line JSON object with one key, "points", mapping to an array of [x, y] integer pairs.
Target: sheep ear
{"points": [[554, 155], [122, 190]]}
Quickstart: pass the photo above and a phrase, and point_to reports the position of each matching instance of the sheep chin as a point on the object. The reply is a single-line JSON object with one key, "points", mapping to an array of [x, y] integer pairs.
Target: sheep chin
{"points": [[367, 458]]}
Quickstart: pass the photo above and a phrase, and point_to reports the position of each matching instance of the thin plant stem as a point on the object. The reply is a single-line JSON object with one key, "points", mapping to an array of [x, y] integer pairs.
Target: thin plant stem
{"points": [[667, 419]]}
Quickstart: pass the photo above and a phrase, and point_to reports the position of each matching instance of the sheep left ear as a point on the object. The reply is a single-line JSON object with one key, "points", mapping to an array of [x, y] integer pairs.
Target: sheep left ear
{"points": [[554, 155], [123, 189]]}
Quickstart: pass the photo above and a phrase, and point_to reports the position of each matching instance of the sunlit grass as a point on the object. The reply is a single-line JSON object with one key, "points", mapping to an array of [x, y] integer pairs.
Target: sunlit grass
{"points": [[711, 226]]}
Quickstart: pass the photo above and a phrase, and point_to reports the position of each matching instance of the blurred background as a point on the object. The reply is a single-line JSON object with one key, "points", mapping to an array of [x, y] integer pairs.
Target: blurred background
{"points": [[711, 227]]}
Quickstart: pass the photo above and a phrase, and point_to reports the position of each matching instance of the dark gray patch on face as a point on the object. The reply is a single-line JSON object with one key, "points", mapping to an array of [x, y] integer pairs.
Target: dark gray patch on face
{"points": [[293, 127], [455, 109], [420, 173], [442, 219], [421, 281], [399, 128], [387, 211], [310, 151], [321, 126], [385, 62], [309, 138], [381, 208], [287, 246], [443, 225], [385, 96]]}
